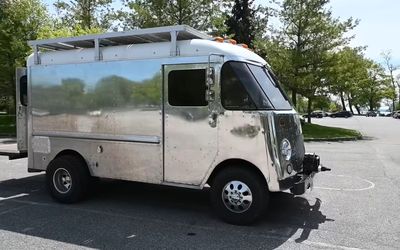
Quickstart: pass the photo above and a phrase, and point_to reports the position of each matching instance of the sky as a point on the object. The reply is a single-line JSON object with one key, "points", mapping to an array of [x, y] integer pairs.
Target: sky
{"points": [[378, 28]]}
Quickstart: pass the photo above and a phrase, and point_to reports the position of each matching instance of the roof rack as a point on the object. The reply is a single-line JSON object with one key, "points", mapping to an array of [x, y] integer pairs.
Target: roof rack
{"points": [[149, 35]]}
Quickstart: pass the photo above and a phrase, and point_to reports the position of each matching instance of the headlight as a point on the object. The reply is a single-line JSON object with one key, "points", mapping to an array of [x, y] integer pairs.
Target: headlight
{"points": [[286, 149]]}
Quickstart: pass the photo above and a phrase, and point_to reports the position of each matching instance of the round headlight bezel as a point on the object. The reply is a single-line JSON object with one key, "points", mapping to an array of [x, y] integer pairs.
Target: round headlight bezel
{"points": [[286, 149]]}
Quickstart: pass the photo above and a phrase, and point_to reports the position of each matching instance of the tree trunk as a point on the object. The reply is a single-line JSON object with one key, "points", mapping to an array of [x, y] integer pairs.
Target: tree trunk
{"points": [[309, 103], [399, 96], [342, 99], [358, 110], [294, 99], [350, 105], [371, 105]]}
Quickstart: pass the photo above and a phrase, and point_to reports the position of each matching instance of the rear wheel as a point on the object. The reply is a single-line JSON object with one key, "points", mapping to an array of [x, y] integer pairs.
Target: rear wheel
{"points": [[239, 196], [68, 178]]}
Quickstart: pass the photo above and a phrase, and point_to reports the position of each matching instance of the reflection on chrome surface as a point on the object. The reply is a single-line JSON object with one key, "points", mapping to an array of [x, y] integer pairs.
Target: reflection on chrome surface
{"points": [[98, 97]]}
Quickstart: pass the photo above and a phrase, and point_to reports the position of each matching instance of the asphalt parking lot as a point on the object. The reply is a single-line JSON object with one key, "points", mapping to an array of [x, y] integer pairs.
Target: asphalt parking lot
{"points": [[355, 206]]}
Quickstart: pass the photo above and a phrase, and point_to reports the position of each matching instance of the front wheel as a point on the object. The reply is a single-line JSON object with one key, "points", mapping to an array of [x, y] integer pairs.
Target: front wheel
{"points": [[239, 196]]}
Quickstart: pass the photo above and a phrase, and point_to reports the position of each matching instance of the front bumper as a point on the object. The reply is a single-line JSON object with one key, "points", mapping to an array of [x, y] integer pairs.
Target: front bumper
{"points": [[299, 183]]}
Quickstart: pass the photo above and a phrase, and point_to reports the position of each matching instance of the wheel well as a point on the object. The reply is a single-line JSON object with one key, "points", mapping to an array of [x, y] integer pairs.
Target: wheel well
{"points": [[235, 162], [73, 153]]}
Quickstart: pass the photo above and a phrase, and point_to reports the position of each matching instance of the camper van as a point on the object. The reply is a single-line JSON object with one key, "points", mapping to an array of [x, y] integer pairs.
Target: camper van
{"points": [[169, 106]]}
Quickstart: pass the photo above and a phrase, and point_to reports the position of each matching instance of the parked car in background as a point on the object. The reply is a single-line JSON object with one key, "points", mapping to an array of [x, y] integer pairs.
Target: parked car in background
{"points": [[396, 114], [371, 113], [316, 114], [343, 113], [384, 112]]}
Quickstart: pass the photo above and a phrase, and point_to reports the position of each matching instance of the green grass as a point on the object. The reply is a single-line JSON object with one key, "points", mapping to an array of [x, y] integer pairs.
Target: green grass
{"points": [[318, 132], [7, 125]]}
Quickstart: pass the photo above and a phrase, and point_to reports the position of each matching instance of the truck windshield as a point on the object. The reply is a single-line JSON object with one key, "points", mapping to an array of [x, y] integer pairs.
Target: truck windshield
{"points": [[250, 87], [270, 87]]}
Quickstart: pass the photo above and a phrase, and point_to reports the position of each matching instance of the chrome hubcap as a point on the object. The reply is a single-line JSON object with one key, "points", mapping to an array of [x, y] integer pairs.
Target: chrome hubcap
{"points": [[237, 196], [62, 180]]}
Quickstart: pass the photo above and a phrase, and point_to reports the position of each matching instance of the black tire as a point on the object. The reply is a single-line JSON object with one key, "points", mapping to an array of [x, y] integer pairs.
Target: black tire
{"points": [[258, 189], [79, 177]]}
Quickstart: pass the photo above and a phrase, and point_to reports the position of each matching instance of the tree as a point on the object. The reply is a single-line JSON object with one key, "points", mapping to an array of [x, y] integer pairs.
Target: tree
{"points": [[387, 60], [376, 87], [204, 15], [346, 73], [246, 23], [87, 14], [20, 21], [305, 42], [55, 30]]}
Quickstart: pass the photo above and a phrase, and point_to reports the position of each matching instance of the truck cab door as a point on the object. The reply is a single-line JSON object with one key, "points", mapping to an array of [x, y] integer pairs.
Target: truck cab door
{"points": [[21, 109], [190, 131]]}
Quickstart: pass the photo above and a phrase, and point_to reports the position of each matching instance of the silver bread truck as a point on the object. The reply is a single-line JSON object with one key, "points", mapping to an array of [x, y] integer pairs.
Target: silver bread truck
{"points": [[169, 106]]}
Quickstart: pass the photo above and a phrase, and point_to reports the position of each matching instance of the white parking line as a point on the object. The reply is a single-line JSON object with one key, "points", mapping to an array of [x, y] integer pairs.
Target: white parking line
{"points": [[13, 197], [371, 185], [326, 245]]}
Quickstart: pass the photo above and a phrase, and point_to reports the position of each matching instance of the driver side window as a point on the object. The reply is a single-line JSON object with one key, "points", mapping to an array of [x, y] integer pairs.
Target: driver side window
{"points": [[233, 94]]}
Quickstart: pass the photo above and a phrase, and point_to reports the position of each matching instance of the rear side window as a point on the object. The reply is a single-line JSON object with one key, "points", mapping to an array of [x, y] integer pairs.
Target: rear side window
{"points": [[23, 90], [187, 87]]}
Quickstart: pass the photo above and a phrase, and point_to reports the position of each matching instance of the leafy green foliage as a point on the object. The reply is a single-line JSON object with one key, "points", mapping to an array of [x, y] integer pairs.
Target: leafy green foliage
{"points": [[200, 14], [301, 48], [87, 14], [7, 125], [376, 87], [56, 30], [246, 23], [20, 20]]}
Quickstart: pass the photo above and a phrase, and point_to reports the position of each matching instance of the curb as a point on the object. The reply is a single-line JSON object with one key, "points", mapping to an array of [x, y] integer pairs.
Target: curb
{"points": [[335, 139]]}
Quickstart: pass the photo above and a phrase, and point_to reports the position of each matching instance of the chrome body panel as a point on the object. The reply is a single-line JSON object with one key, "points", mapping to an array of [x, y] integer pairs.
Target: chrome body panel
{"points": [[241, 136], [109, 159], [104, 98]]}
